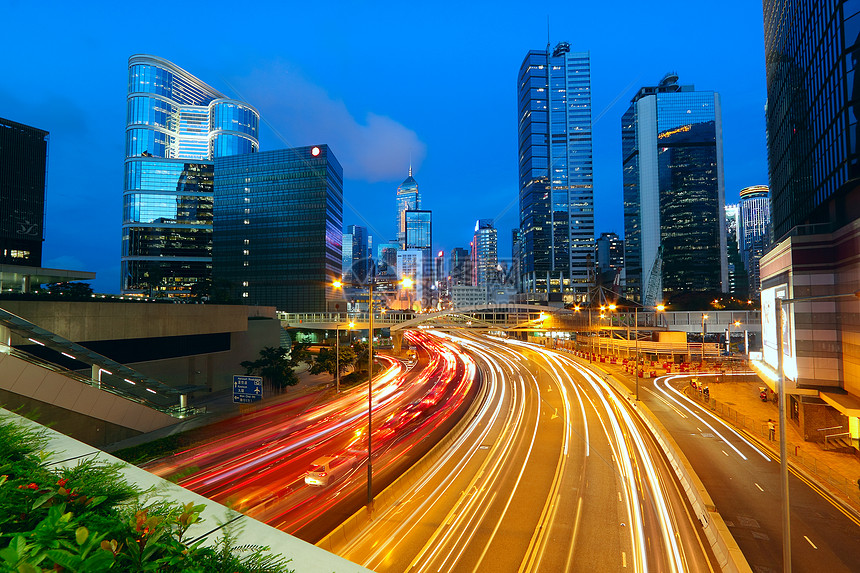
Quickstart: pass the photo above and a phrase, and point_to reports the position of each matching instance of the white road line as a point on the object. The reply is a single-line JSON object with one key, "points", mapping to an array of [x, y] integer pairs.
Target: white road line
{"points": [[810, 542], [758, 486], [724, 451], [624, 558]]}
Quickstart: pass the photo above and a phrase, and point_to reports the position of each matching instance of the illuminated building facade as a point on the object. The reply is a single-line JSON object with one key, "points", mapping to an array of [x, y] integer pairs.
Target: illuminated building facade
{"points": [[485, 256], [356, 254], [674, 197], [555, 172], [408, 199], [754, 232], [176, 125], [278, 221], [23, 175], [812, 51]]}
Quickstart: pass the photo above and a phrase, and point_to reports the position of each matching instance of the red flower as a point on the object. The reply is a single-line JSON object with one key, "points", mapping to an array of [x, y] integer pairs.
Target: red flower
{"points": [[62, 482], [33, 486]]}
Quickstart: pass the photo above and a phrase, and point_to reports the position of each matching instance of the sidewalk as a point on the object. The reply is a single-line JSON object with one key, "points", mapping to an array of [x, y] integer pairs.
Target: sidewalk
{"points": [[736, 400]]}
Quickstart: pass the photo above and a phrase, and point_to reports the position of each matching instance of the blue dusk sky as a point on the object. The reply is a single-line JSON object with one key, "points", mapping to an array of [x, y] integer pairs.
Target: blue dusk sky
{"points": [[379, 82]]}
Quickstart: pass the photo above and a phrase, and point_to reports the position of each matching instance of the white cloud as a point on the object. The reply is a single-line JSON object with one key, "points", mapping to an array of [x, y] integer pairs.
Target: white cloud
{"points": [[374, 149]]}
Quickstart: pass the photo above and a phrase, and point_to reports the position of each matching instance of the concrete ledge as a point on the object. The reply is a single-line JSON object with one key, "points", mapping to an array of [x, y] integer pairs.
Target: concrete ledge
{"points": [[306, 558]]}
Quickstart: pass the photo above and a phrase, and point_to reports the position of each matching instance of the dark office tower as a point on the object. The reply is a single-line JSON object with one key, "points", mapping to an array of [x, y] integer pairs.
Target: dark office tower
{"points": [[516, 253], [356, 254], [460, 267], [408, 199], [812, 52], [610, 257], [485, 254], [674, 223], [175, 126], [23, 175], [555, 169], [738, 280], [754, 232], [278, 221]]}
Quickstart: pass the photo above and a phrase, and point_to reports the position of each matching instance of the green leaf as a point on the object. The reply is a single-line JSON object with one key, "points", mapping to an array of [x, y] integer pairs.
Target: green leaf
{"points": [[27, 568], [43, 500], [64, 559], [81, 535]]}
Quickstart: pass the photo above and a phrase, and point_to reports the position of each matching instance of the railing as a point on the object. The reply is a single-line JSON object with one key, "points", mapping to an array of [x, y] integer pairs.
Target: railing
{"points": [[846, 487], [839, 435]]}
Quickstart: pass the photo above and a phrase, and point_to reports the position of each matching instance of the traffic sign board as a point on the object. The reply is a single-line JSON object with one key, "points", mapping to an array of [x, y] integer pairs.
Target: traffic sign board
{"points": [[247, 389]]}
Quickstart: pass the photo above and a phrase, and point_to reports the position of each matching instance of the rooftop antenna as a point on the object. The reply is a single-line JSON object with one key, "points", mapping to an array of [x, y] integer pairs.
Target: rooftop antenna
{"points": [[547, 33], [410, 164]]}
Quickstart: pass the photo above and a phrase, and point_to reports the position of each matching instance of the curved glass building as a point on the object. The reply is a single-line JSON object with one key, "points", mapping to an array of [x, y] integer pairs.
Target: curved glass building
{"points": [[176, 126]]}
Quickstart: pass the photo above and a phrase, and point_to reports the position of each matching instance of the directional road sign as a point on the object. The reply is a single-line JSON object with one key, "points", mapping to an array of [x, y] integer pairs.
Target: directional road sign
{"points": [[247, 389]]}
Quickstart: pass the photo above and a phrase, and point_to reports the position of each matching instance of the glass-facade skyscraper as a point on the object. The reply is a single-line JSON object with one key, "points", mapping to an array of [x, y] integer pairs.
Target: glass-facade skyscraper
{"points": [[555, 171], [356, 254], [176, 125], [278, 221], [408, 199], [485, 254], [674, 197], [23, 175], [754, 232]]}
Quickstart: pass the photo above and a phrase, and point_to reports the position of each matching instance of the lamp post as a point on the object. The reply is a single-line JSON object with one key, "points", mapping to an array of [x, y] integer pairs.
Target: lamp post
{"points": [[729, 337], [337, 355], [704, 318], [659, 308], [407, 283], [783, 461]]}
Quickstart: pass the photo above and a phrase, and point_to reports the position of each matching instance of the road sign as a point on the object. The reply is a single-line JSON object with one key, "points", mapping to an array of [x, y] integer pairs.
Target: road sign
{"points": [[247, 389]]}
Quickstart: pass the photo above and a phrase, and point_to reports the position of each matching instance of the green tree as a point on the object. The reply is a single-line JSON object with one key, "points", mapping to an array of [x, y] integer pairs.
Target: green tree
{"points": [[326, 360], [277, 365], [72, 290]]}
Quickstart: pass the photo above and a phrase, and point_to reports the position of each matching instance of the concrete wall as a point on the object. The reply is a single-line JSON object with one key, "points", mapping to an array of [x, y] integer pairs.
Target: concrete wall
{"points": [[91, 415], [83, 321], [215, 370]]}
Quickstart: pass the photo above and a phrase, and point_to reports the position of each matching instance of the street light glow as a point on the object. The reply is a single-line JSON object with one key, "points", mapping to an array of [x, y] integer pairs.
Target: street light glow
{"points": [[661, 307], [407, 282], [337, 284]]}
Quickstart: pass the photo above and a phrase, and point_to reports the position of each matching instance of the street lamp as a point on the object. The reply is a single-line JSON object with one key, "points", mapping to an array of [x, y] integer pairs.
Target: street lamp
{"points": [[406, 283], [351, 325], [659, 308], [729, 337], [783, 457], [704, 318]]}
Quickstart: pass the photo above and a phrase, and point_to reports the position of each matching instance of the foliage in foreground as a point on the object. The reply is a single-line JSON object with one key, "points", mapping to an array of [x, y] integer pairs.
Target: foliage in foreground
{"points": [[87, 518]]}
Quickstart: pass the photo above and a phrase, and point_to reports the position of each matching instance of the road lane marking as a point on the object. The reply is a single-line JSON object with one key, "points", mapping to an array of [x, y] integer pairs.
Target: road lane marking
{"points": [[810, 542], [623, 559], [619, 496], [758, 486], [724, 451]]}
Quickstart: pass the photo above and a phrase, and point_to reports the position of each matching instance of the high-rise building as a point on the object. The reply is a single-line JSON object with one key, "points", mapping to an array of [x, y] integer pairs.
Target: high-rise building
{"points": [[516, 253], [738, 281], [813, 130], [176, 126], [754, 232], [674, 229], [278, 221], [408, 199], [555, 171], [386, 256], [610, 257], [23, 175], [485, 254], [356, 254], [410, 264], [419, 237], [460, 267]]}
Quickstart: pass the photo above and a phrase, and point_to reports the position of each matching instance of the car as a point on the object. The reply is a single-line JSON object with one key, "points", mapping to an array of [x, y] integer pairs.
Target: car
{"points": [[328, 469]]}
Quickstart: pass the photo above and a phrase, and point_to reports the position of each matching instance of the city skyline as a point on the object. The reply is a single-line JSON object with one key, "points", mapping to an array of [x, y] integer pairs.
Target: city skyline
{"points": [[350, 86]]}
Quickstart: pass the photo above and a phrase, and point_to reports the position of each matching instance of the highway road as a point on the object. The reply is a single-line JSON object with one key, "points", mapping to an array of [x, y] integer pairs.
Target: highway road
{"points": [[552, 471], [301, 465], [743, 480]]}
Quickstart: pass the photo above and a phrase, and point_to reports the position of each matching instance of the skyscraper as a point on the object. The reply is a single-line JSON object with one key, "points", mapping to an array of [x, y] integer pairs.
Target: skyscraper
{"points": [[23, 175], [738, 281], [674, 226], [408, 199], [278, 221], [419, 237], [356, 254], [754, 232], [176, 126], [555, 171], [460, 267], [610, 257], [812, 50], [484, 255]]}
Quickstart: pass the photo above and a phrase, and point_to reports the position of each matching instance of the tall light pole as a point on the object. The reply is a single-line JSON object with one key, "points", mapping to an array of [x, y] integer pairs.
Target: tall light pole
{"points": [[337, 356], [407, 283], [659, 308], [783, 457], [704, 318]]}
